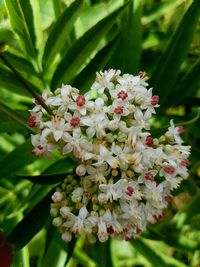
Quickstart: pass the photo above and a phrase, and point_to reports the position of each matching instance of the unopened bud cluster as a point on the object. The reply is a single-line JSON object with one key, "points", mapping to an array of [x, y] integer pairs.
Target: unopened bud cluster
{"points": [[125, 176]]}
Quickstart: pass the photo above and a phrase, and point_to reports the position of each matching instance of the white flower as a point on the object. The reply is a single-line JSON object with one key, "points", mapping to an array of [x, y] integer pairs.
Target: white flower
{"points": [[104, 80], [41, 145], [80, 103], [123, 155], [78, 226], [111, 191], [153, 193], [57, 127], [106, 155], [175, 133], [73, 143], [97, 124]]}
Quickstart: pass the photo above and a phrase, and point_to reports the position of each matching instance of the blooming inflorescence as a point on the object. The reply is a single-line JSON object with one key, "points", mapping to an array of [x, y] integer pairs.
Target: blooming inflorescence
{"points": [[124, 176]]}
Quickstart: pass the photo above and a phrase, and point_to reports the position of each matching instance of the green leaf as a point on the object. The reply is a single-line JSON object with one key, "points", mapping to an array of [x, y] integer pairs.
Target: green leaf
{"points": [[160, 10], [167, 68], [54, 174], [31, 224], [18, 21], [59, 34], [78, 54], [5, 36], [61, 166], [130, 42], [17, 159], [87, 76], [188, 85], [184, 216], [156, 257], [9, 82]]}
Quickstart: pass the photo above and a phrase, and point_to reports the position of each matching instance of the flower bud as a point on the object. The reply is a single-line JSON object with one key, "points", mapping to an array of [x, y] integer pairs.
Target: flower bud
{"points": [[57, 197], [64, 211], [109, 138], [81, 170], [57, 221], [67, 236], [54, 212]]}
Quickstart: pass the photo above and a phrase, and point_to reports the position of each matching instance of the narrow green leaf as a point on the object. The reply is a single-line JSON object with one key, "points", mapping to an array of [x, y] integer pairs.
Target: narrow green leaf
{"points": [[104, 250], [38, 41], [87, 76], [167, 68], [44, 179], [188, 85], [130, 42], [14, 115], [184, 216], [24, 67], [78, 54], [10, 126], [31, 224], [9, 82], [54, 174], [60, 32], [19, 26], [155, 256], [17, 159], [160, 10], [61, 166], [5, 36]]}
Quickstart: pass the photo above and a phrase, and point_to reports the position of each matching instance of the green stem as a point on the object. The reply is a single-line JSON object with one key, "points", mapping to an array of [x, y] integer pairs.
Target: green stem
{"points": [[25, 84], [14, 116], [193, 120]]}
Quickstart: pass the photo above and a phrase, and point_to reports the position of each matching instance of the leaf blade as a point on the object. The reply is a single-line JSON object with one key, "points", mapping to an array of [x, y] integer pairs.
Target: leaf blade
{"points": [[81, 50], [32, 223], [166, 71], [57, 40]]}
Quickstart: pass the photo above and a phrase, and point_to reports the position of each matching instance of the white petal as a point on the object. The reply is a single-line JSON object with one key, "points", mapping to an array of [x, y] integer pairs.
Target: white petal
{"points": [[67, 149]]}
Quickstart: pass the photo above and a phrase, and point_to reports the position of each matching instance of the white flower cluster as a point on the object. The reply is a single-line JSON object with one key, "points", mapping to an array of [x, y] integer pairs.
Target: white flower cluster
{"points": [[125, 176]]}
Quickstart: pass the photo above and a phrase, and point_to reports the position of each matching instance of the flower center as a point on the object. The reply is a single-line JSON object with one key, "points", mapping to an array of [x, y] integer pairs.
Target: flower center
{"points": [[129, 191], [118, 110], [75, 122], [110, 230], [148, 176], [80, 100], [123, 95], [32, 121], [169, 169], [149, 141], [154, 100], [40, 147]]}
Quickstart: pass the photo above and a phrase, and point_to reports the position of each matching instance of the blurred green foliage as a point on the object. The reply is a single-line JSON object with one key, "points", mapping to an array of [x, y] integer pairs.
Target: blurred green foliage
{"points": [[46, 42]]}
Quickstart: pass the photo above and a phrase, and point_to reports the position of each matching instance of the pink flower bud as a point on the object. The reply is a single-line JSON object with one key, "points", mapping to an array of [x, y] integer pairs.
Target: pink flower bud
{"points": [[32, 121], [154, 100]]}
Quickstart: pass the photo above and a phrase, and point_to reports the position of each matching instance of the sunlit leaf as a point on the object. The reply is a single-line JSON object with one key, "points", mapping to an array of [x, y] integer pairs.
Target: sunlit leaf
{"points": [[130, 41], [155, 256], [160, 9], [60, 32], [19, 24], [79, 53], [87, 76], [167, 68], [53, 174]]}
